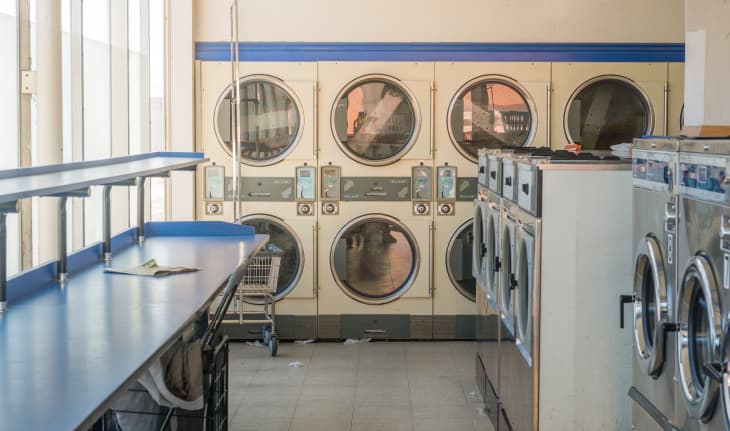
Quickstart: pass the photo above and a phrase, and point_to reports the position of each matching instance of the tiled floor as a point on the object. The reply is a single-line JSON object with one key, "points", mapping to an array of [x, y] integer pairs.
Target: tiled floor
{"points": [[388, 386]]}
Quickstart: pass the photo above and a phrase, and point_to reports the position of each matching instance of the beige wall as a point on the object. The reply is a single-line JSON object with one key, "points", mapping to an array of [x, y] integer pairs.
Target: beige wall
{"points": [[708, 63], [445, 20]]}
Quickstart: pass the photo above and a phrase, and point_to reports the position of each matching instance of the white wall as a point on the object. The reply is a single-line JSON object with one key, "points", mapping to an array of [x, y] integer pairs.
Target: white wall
{"points": [[445, 21], [708, 63]]}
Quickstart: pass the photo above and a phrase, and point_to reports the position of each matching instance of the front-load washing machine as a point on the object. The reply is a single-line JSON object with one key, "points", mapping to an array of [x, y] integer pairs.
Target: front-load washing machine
{"points": [[563, 335], [598, 105], [278, 175], [655, 234], [377, 176], [487, 222], [703, 281]]}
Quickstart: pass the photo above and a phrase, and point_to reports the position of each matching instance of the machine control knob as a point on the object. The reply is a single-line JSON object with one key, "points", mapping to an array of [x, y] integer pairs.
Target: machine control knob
{"points": [[421, 208], [304, 209], [329, 208], [446, 209], [214, 208]]}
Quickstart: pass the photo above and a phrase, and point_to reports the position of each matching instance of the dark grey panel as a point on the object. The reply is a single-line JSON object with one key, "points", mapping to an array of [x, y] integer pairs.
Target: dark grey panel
{"points": [[465, 327], [466, 188], [444, 327], [329, 327], [421, 327], [376, 188], [395, 326], [263, 189], [287, 328]]}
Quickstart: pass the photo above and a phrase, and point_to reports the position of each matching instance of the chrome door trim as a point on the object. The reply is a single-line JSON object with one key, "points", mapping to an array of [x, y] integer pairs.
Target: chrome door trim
{"points": [[650, 355], [700, 403]]}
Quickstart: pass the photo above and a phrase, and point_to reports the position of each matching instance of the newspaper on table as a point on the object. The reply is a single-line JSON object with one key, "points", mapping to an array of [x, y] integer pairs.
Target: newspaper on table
{"points": [[151, 268]]}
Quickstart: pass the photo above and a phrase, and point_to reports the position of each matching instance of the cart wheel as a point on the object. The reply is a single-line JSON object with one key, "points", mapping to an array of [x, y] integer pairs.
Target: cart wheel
{"points": [[266, 333], [273, 346]]}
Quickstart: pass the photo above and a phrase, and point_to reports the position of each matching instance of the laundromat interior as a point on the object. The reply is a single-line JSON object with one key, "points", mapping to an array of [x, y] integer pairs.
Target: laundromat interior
{"points": [[338, 216]]}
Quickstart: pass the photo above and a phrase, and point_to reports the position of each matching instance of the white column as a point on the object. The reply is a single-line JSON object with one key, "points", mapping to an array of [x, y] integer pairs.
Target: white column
{"points": [[119, 60], [50, 120], [707, 69], [179, 104]]}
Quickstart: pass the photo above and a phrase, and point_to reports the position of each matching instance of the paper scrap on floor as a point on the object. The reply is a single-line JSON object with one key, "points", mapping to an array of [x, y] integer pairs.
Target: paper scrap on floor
{"points": [[151, 268], [357, 341]]}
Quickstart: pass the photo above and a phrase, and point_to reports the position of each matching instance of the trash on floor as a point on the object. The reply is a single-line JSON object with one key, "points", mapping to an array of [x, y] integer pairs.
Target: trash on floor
{"points": [[296, 364], [311, 340], [357, 340], [256, 343]]}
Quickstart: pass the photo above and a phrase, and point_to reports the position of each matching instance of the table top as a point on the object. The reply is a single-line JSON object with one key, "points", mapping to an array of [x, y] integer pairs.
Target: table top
{"points": [[66, 350], [62, 178]]}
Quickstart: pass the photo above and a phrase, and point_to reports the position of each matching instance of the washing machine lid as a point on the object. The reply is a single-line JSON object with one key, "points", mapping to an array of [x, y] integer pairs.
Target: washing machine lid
{"points": [[458, 261], [375, 120], [700, 328], [270, 120], [374, 259], [607, 110], [524, 292], [490, 112], [651, 306], [283, 242]]}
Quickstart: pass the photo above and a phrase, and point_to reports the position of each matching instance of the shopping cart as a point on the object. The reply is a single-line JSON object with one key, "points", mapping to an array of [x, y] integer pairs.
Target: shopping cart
{"points": [[256, 290]]}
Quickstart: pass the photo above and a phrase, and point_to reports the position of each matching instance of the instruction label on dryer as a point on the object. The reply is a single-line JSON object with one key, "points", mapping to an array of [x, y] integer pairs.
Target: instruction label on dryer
{"points": [[262, 189], [376, 188]]}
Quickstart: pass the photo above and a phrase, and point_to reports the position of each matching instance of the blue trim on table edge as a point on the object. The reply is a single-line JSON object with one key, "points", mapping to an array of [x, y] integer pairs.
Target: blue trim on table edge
{"points": [[59, 167], [435, 51], [26, 283]]}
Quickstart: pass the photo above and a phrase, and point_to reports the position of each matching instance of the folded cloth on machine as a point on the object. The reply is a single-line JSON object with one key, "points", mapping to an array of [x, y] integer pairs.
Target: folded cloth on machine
{"points": [[151, 268]]}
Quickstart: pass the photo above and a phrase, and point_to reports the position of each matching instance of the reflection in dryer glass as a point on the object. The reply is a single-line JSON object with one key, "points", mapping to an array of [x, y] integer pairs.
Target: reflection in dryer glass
{"points": [[490, 114], [282, 242], [607, 112], [700, 342], [375, 259], [269, 121], [459, 262], [375, 120], [649, 305]]}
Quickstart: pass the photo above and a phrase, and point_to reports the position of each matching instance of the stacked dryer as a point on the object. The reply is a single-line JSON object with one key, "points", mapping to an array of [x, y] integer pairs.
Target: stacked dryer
{"points": [[278, 172], [478, 105], [376, 231], [655, 274], [702, 397]]}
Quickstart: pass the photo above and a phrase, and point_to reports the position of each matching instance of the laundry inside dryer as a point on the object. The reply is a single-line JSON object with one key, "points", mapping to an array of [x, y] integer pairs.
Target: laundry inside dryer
{"points": [[374, 259]]}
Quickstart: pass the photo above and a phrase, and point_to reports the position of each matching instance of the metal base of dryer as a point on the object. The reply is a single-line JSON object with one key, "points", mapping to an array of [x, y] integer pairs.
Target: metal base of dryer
{"points": [[396, 327], [287, 328]]}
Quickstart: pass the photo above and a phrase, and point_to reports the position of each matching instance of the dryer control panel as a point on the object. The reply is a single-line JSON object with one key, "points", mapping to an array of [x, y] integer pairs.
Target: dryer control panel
{"points": [[214, 189], [704, 176], [446, 185], [421, 189], [330, 190], [305, 178]]}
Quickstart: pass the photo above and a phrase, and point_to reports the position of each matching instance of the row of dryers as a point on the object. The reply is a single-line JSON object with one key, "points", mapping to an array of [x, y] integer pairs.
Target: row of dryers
{"points": [[680, 301], [552, 249], [333, 153]]}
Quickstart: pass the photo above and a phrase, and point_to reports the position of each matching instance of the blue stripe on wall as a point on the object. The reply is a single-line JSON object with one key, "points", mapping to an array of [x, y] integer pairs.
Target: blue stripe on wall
{"points": [[334, 51]]}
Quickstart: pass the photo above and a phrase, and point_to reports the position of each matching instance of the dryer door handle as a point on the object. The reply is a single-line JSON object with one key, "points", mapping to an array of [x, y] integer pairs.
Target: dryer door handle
{"points": [[622, 301], [714, 370]]}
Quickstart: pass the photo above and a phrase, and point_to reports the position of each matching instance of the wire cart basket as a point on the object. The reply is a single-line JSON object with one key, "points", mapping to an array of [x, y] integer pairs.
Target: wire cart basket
{"points": [[257, 287]]}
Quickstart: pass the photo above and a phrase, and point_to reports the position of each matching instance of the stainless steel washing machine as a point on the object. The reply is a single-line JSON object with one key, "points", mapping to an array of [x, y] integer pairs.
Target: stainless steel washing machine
{"points": [[655, 260], [703, 283]]}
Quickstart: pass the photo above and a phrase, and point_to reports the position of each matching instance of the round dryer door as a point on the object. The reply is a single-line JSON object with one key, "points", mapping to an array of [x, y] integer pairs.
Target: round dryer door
{"points": [[458, 262], [478, 243], [700, 329], [284, 242], [508, 281], [524, 293], [651, 306], [490, 112], [607, 110], [375, 120], [492, 255], [270, 120], [374, 259]]}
